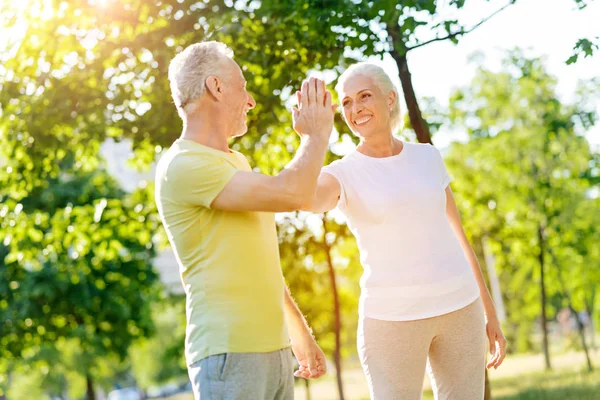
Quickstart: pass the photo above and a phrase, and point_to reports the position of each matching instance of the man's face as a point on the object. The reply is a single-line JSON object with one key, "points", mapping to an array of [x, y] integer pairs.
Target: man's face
{"points": [[237, 99]]}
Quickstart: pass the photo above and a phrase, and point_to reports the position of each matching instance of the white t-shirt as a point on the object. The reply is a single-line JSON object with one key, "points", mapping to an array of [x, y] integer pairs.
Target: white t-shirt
{"points": [[414, 266]]}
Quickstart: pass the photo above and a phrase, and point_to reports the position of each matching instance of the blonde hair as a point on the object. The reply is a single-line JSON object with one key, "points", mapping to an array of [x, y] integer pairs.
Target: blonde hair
{"points": [[381, 80], [189, 69]]}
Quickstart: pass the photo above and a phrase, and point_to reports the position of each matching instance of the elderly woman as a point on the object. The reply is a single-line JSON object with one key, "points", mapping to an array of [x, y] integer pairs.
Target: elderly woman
{"points": [[424, 302]]}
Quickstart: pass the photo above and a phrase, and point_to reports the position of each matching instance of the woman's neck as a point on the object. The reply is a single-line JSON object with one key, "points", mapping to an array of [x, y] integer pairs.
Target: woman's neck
{"points": [[380, 146]]}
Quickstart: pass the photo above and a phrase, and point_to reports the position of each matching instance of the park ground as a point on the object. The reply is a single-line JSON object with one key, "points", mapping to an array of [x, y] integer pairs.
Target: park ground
{"points": [[521, 377]]}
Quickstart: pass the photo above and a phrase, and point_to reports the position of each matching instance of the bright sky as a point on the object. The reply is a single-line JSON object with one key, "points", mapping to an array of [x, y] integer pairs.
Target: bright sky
{"points": [[543, 27]]}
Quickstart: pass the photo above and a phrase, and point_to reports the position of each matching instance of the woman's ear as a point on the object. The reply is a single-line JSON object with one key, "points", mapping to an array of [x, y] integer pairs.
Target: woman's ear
{"points": [[392, 99]]}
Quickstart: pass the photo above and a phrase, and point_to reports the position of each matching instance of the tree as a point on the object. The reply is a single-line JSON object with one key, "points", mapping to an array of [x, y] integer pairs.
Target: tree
{"points": [[521, 177], [78, 266], [374, 28], [76, 74], [55, 371], [160, 358], [315, 253]]}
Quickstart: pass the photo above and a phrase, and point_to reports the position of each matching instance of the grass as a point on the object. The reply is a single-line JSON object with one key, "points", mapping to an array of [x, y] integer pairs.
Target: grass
{"points": [[521, 377], [553, 385]]}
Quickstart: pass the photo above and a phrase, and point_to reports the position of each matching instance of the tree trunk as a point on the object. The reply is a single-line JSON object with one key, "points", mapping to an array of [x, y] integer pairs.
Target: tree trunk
{"points": [[414, 112], [488, 390], [589, 307], [307, 387], [399, 55], [581, 329], [543, 297], [90, 393], [494, 284], [336, 309], [592, 332], [482, 252], [398, 52], [580, 326], [490, 263]]}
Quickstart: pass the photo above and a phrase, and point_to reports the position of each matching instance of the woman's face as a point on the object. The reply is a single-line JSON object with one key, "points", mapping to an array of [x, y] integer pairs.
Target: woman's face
{"points": [[366, 110]]}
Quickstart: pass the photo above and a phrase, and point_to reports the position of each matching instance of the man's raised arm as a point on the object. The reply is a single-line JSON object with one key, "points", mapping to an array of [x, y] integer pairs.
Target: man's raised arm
{"points": [[297, 183]]}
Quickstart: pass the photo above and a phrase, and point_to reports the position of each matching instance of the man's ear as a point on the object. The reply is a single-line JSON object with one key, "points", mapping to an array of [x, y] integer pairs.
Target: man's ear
{"points": [[214, 87]]}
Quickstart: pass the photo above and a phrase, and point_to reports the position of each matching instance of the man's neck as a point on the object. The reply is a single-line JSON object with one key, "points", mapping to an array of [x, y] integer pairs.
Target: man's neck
{"points": [[206, 131]]}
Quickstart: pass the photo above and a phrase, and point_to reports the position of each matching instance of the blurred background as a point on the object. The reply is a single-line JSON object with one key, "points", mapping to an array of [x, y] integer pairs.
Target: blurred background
{"points": [[91, 306]]}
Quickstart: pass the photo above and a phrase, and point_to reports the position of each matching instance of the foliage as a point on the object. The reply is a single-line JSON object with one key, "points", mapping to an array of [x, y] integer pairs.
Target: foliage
{"points": [[159, 359], [584, 47], [525, 169]]}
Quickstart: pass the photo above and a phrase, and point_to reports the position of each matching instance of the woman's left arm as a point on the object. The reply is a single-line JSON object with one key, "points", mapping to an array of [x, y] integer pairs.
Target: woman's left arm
{"points": [[493, 330]]}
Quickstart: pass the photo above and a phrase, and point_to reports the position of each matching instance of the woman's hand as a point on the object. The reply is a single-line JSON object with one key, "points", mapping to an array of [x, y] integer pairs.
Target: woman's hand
{"points": [[496, 340]]}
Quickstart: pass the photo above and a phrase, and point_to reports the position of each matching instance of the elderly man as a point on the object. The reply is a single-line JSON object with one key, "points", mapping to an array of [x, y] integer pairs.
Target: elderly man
{"points": [[218, 215]]}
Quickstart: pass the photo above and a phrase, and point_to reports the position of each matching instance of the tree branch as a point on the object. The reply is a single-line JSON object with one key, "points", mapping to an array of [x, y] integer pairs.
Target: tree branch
{"points": [[462, 31]]}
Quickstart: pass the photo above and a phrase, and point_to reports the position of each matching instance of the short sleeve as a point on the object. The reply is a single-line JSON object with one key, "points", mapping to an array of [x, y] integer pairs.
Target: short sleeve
{"points": [[441, 167], [333, 169], [197, 180]]}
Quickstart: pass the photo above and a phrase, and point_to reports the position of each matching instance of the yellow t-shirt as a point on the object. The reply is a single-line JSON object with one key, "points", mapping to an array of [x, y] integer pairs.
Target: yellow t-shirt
{"points": [[228, 260]]}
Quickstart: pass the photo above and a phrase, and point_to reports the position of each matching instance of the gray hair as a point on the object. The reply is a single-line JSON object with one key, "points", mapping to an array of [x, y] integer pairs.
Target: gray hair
{"points": [[189, 69], [381, 80]]}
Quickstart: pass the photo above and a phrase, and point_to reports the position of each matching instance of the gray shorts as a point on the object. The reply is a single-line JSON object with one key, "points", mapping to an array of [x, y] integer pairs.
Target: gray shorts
{"points": [[244, 376]]}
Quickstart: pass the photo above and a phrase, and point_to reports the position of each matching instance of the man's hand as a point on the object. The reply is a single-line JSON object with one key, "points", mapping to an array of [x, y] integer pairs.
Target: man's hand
{"points": [[310, 357], [314, 114]]}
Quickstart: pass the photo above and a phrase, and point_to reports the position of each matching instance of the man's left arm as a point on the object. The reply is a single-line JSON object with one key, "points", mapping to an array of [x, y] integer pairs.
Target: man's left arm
{"points": [[309, 355]]}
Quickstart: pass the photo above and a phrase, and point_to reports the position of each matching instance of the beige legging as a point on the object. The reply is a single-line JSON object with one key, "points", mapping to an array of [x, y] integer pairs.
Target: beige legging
{"points": [[452, 347]]}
